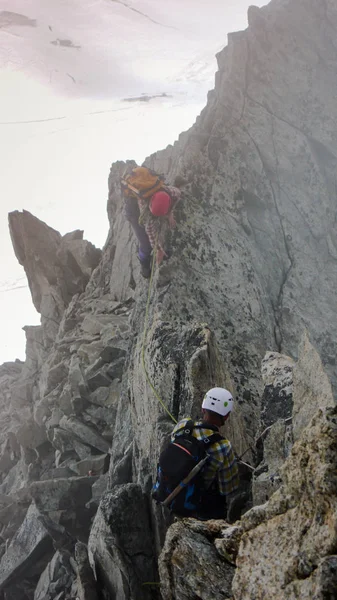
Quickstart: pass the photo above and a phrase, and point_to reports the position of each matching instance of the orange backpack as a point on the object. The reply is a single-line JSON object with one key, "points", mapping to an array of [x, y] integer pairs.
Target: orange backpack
{"points": [[141, 182]]}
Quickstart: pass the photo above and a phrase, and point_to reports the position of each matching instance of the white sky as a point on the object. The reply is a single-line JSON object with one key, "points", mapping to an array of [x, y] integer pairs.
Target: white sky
{"points": [[57, 168]]}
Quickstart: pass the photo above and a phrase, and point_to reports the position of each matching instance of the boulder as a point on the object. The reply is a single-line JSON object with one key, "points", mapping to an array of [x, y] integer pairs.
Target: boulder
{"points": [[95, 465], [16, 478], [101, 417], [95, 324], [100, 486], [85, 254], [121, 546], [77, 382], [64, 400], [58, 473], [21, 395], [99, 378], [116, 368], [35, 350], [190, 566], [277, 399], [56, 267], [110, 353], [84, 433], [31, 435], [52, 375], [312, 388], [301, 386], [30, 544], [65, 443], [58, 494], [57, 577], [294, 534], [276, 449], [275, 439], [7, 457], [106, 396], [86, 584], [89, 352]]}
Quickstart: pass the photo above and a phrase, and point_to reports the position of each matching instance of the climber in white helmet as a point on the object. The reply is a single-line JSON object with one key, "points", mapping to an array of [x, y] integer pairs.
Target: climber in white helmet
{"points": [[220, 476]]}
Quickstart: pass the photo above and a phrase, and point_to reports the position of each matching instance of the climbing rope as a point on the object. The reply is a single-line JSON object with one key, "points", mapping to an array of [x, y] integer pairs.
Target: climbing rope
{"points": [[145, 335]]}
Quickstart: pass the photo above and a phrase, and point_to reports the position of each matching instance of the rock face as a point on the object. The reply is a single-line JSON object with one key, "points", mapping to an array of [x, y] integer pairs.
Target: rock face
{"points": [[253, 265], [258, 159], [295, 533], [190, 565], [56, 267], [121, 546], [30, 544], [312, 388]]}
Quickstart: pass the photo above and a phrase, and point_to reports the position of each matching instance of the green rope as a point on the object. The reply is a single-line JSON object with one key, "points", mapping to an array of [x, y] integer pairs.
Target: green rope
{"points": [[145, 335]]}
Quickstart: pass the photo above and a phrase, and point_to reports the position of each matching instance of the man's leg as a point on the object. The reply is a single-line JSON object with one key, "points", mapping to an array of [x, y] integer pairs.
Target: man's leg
{"points": [[213, 505], [132, 214], [131, 211]]}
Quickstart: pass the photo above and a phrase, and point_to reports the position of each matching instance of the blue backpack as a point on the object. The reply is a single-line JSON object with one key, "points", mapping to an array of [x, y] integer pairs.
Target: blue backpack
{"points": [[176, 462]]}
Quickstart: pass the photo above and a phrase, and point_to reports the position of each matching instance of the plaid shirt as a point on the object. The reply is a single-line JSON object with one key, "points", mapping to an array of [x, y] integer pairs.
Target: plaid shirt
{"points": [[222, 466], [174, 192]]}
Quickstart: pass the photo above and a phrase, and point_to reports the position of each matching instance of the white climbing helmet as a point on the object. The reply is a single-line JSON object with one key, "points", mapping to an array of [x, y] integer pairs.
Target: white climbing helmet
{"points": [[219, 401]]}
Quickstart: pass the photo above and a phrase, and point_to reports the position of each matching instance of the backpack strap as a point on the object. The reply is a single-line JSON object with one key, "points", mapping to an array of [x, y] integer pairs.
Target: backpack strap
{"points": [[204, 425], [187, 428], [208, 441], [216, 437], [190, 425]]}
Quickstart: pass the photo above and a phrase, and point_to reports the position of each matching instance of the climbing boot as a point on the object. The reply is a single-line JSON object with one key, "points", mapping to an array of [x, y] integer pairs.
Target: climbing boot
{"points": [[145, 266]]}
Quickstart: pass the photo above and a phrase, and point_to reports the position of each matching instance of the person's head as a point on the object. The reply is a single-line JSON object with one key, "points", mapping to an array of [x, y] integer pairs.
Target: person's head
{"points": [[160, 204], [217, 405]]}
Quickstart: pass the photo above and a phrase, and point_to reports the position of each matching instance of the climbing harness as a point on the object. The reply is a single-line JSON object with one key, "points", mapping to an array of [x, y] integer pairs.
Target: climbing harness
{"points": [[145, 335]]}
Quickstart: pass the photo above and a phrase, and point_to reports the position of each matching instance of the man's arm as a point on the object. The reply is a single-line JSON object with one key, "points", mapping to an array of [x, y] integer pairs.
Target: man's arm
{"points": [[228, 475]]}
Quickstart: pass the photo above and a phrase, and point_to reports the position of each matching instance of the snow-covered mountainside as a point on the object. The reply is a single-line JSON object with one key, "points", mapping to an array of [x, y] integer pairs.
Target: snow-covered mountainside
{"points": [[117, 49]]}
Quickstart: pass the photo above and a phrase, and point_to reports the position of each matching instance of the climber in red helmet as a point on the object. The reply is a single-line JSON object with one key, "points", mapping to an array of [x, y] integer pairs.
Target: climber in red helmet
{"points": [[161, 207], [150, 219]]}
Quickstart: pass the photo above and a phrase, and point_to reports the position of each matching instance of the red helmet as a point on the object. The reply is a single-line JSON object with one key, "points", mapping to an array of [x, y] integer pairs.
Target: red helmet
{"points": [[160, 204]]}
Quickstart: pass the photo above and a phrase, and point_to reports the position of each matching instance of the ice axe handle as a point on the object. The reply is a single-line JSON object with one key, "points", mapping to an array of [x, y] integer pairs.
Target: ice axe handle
{"points": [[185, 481]]}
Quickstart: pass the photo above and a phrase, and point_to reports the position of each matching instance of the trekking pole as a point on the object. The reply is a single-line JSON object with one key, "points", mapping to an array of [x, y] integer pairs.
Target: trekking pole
{"points": [[185, 481]]}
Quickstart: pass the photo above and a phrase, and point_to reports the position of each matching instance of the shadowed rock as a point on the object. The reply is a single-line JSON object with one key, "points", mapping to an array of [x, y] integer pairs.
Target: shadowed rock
{"points": [[30, 544], [87, 588], [121, 546]]}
